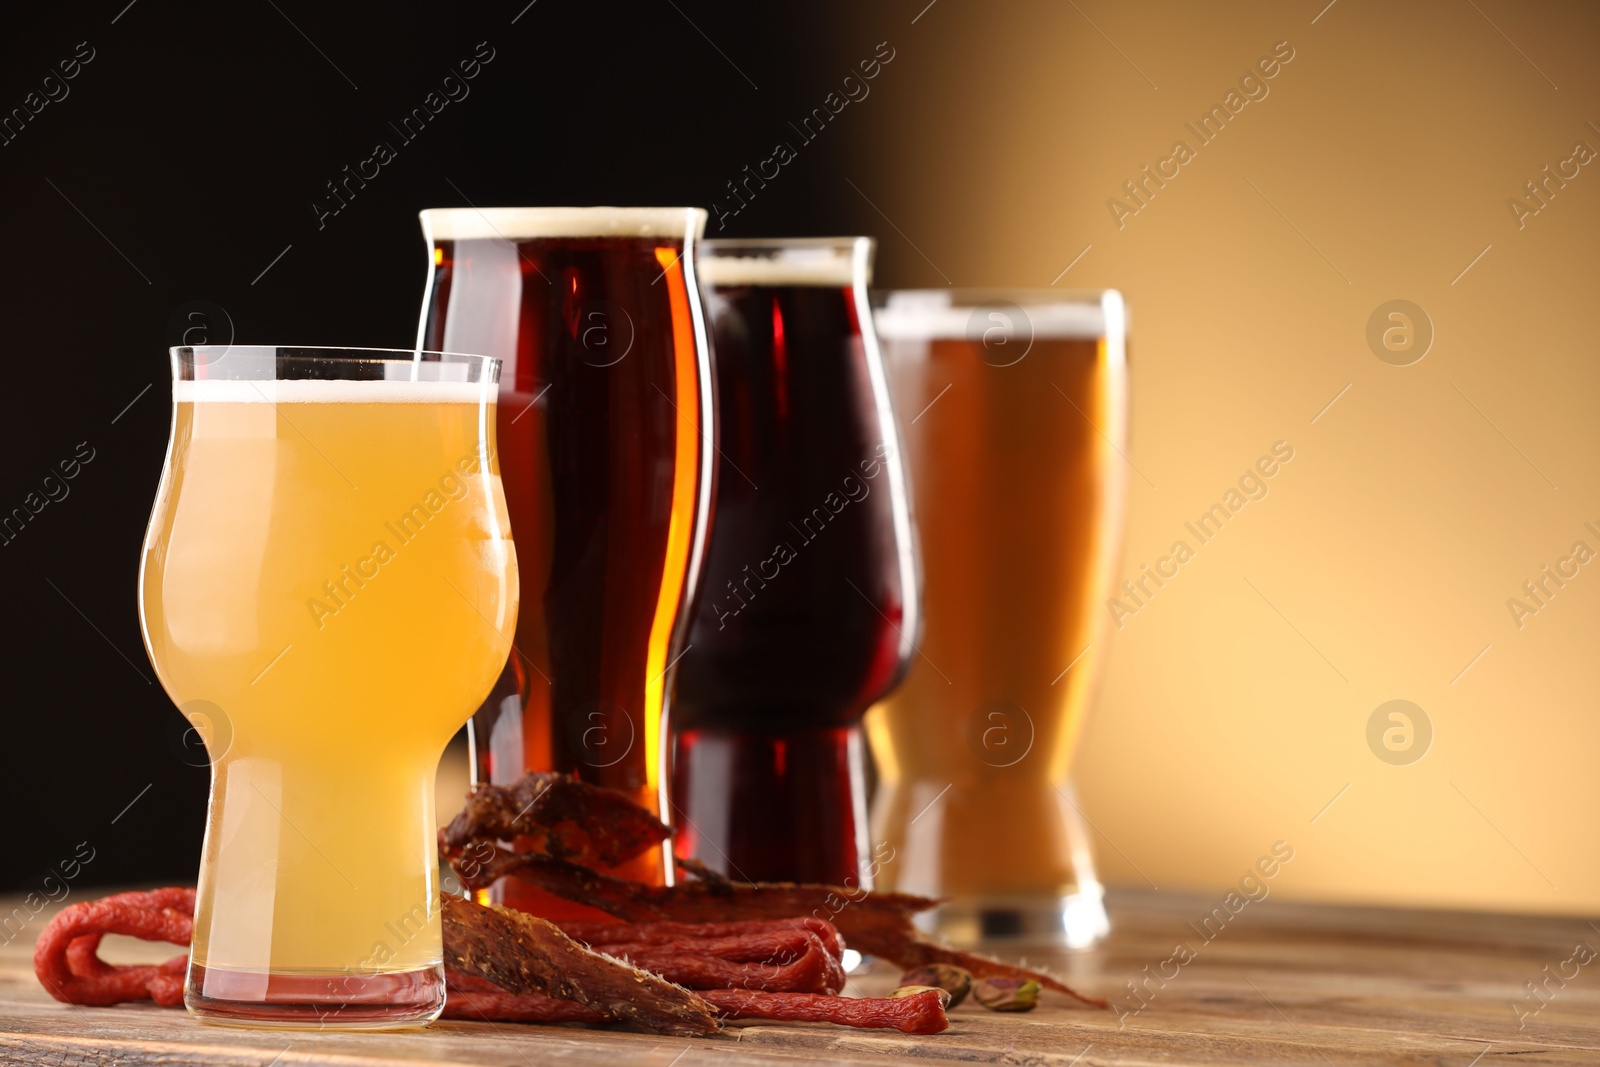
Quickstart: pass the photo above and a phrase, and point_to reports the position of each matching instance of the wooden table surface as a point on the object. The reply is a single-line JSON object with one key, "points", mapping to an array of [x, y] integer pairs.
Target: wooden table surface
{"points": [[1282, 983]]}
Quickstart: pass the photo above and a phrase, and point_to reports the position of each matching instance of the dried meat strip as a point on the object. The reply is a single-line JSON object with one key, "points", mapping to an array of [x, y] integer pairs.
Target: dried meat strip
{"points": [[523, 954], [920, 1013], [855, 912], [596, 934], [502, 1007], [66, 960], [750, 948], [480, 1000], [501, 966], [809, 970], [877, 924], [555, 815]]}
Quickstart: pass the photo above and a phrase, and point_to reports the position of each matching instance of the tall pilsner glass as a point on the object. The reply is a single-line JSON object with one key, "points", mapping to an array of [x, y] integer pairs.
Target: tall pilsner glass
{"points": [[605, 445], [328, 589], [1015, 415]]}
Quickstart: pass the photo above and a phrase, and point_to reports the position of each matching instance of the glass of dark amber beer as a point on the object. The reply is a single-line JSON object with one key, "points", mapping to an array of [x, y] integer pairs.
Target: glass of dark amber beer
{"points": [[808, 609], [605, 455], [1015, 407]]}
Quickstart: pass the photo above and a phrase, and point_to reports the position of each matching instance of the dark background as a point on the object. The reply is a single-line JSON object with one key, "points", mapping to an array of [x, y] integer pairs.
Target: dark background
{"points": [[183, 161]]}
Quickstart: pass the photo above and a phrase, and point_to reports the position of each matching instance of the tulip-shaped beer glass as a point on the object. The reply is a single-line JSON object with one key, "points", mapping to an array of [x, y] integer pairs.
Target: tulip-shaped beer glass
{"points": [[328, 590], [809, 610]]}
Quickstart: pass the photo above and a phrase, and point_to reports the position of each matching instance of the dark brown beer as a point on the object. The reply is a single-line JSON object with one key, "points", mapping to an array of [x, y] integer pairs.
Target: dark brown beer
{"points": [[807, 607], [605, 460]]}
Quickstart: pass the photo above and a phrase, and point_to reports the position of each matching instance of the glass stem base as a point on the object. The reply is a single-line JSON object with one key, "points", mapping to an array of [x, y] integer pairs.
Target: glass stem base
{"points": [[315, 1002], [1076, 920]]}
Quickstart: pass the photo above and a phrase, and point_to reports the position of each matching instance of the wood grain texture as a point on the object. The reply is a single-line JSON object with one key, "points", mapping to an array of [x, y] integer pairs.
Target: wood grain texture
{"points": [[1280, 983]]}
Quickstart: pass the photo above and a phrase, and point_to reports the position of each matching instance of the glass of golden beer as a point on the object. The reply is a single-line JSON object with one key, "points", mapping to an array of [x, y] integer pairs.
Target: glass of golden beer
{"points": [[1013, 408], [328, 589]]}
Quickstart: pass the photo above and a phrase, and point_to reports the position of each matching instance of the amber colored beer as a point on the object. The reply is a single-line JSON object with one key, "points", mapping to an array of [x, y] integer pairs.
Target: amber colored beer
{"points": [[1014, 414], [605, 458]]}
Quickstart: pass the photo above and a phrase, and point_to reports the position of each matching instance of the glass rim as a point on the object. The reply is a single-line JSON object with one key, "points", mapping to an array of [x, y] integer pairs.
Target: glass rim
{"points": [[778, 244], [334, 353], [973, 296], [533, 223], [799, 261], [968, 313], [313, 369]]}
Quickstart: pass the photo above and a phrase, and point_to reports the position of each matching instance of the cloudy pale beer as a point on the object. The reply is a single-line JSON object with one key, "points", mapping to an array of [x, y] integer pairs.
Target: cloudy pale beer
{"points": [[328, 589], [1014, 410]]}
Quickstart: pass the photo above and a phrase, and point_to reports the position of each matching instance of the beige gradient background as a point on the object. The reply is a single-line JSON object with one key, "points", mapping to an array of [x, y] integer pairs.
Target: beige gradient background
{"points": [[1378, 167]]}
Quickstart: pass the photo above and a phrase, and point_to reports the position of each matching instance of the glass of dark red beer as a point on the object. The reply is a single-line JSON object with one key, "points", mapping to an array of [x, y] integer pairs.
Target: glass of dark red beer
{"points": [[808, 601]]}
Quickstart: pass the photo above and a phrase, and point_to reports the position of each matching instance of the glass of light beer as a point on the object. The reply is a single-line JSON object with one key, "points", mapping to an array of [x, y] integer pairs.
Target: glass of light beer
{"points": [[605, 444], [328, 589], [1014, 414]]}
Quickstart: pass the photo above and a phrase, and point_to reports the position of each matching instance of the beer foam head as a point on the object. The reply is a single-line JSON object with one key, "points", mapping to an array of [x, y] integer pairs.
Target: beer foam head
{"points": [[827, 261], [943, 314], [315, 391], [524, 223]]}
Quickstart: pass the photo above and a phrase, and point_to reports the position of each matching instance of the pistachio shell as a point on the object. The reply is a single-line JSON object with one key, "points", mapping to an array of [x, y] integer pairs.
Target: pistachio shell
{"points": [[957, 981], [913, 990], [1006, 994]]}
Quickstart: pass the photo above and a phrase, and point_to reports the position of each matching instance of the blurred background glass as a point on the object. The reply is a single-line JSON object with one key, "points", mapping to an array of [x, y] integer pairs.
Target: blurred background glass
{"points": [[1016, 411]]}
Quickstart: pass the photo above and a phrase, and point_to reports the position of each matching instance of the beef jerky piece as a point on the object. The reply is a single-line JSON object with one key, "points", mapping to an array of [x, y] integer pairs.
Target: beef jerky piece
{"points": [[65, 957], [780, 944], [877, 924], [503, 1007], [480, 1000], [655, 933], [747, 948], [523, 954], [556, 815], [920, 1013], [810, 970], [855, 912]]}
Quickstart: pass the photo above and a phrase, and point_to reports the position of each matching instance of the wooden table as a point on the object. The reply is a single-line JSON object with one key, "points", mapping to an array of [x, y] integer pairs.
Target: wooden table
{"points": [[1281, 983]]}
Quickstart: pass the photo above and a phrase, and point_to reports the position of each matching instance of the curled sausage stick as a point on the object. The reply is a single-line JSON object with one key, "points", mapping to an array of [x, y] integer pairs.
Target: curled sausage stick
{"points": [[66, 959]]}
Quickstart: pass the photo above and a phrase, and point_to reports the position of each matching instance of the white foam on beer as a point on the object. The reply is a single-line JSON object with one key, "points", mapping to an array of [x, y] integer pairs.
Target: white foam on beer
{"points": [[831, 266], [521, 223], [930, 314], [312, 391]]}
